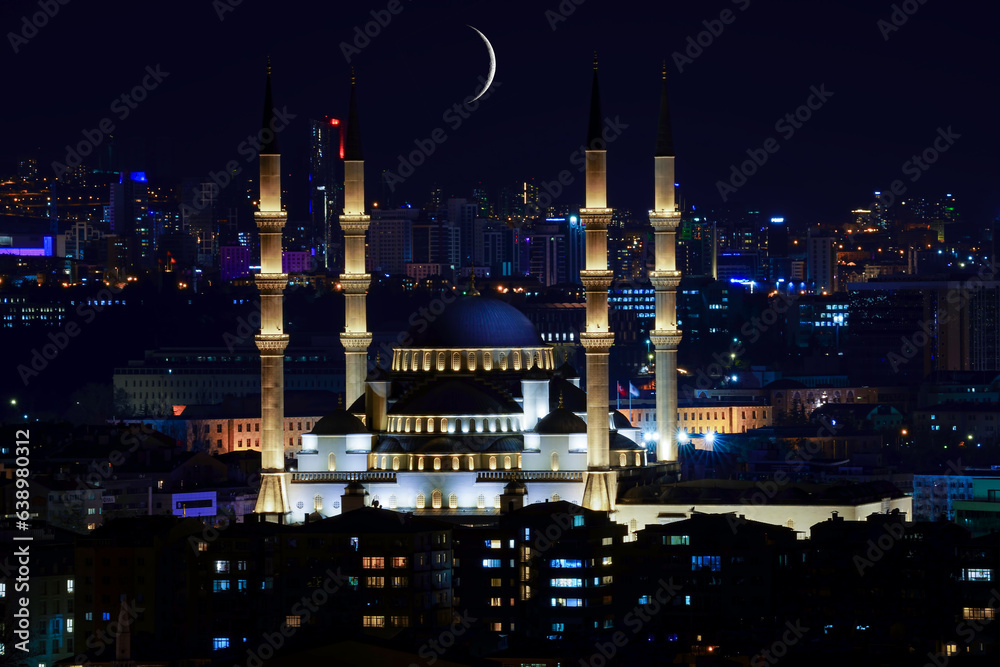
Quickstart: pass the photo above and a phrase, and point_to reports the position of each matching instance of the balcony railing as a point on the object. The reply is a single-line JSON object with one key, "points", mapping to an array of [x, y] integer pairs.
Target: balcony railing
{"points": [[365, 476]]}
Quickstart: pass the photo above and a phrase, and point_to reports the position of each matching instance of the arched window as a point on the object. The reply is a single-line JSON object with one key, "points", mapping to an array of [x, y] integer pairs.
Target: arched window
{"points": [[395, 464], [430, 424], [638, 459], [436, 499], [455, 463], [444, 424], [487, 361], [437, 462], [453, 501], [419, 425], [496, 502], [392, 502], [622, 460], [493, 463], [481, 501], [406, 361], [318, 503], [503, 361], [516, 355], [506, 463], [440, 364], [555, 461], [456, 361], [556, 498], [406, 426], [420, 463], [383, 463], [494, 424], [472, 360], [538, 359], [420, 501], [472, 463], [632, 525], [790, 523], [427, 361], [331, 462]]}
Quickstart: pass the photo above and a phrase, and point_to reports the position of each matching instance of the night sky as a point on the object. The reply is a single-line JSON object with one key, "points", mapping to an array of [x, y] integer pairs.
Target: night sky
{"points": [[889, 96]]}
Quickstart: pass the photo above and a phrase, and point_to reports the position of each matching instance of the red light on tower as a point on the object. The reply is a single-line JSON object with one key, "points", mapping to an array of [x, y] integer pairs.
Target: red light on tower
{"points": [[334, 121]]}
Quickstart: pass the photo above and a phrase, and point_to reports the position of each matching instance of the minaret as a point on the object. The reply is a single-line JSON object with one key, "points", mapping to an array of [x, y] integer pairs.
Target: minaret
{"points": [[272, 500], [665, 277], [354, 281], [600, 483]]}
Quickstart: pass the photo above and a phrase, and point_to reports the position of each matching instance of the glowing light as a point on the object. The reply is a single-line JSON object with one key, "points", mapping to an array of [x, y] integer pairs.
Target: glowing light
{"points": [[710, 437], [682, 436]]}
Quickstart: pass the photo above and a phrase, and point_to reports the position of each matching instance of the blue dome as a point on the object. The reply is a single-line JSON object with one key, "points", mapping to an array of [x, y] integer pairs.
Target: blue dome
{"points": [[476, 321]]}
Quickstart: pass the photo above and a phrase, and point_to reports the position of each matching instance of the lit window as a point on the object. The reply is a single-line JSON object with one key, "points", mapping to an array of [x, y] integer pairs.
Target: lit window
{"points": [[493, 544], [496, 602], [399, 561], [700, 562], [491, 562], [400, 582], [976, 574], [567, 602], [566, 583], [221, 566], [219, 643], [219, 585], [69, 625], [293, 621], [373, 621], [69, 586], [563, 562], [375, 582], [373, 562]]}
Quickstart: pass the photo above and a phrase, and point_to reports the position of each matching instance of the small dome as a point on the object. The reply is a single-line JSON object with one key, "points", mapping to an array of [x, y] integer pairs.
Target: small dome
{"points": [[477, 321], [507, 443], [515, 487], [388, 445], [567, 372], [619, 421], [560, 421], [339, 422]]}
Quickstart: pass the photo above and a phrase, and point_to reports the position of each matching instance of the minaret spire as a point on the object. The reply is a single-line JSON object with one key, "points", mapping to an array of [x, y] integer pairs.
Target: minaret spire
{"points": [[595, 123], [600, 482], [665, 217], [355, 281], [272, 499]]}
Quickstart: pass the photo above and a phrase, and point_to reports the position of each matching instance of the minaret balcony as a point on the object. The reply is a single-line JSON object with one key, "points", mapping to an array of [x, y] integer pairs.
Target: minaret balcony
{"points": [[597, 341], [665, 279], [665, 339]]}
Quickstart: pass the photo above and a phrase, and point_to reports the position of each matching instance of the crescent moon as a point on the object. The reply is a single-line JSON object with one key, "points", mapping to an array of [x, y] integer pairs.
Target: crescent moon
{"points": [[493, 66]]}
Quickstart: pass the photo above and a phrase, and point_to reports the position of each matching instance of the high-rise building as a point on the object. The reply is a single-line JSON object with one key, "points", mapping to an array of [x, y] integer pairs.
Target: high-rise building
{"points": [[326, 149], [821, 263], [390, 239], [130, 219]]}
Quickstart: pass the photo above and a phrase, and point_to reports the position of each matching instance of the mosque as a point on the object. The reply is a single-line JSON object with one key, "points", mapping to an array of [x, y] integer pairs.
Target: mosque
{"points": [[474, 414]]}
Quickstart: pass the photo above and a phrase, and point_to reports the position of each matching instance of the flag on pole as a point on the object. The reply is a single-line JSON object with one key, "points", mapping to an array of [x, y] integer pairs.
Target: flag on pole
{"points": [[621, 390], [632, 391]]}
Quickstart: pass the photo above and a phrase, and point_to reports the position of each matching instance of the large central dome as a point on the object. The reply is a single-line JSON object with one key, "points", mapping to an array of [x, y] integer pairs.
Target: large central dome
{"points": [[476, 322]]}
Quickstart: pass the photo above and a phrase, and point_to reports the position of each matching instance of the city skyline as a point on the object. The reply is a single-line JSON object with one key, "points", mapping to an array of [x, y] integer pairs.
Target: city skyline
{"points": [[729, 99]]}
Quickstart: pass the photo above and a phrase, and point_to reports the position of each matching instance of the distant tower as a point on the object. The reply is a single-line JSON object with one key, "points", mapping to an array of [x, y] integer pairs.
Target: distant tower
{"points": [[354, 281], [664, 218], [600, 485], [272, 500]]}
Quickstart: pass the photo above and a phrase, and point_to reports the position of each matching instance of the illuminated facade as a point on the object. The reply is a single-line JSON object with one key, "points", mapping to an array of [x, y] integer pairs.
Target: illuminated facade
{"points": [[474, 410]]}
